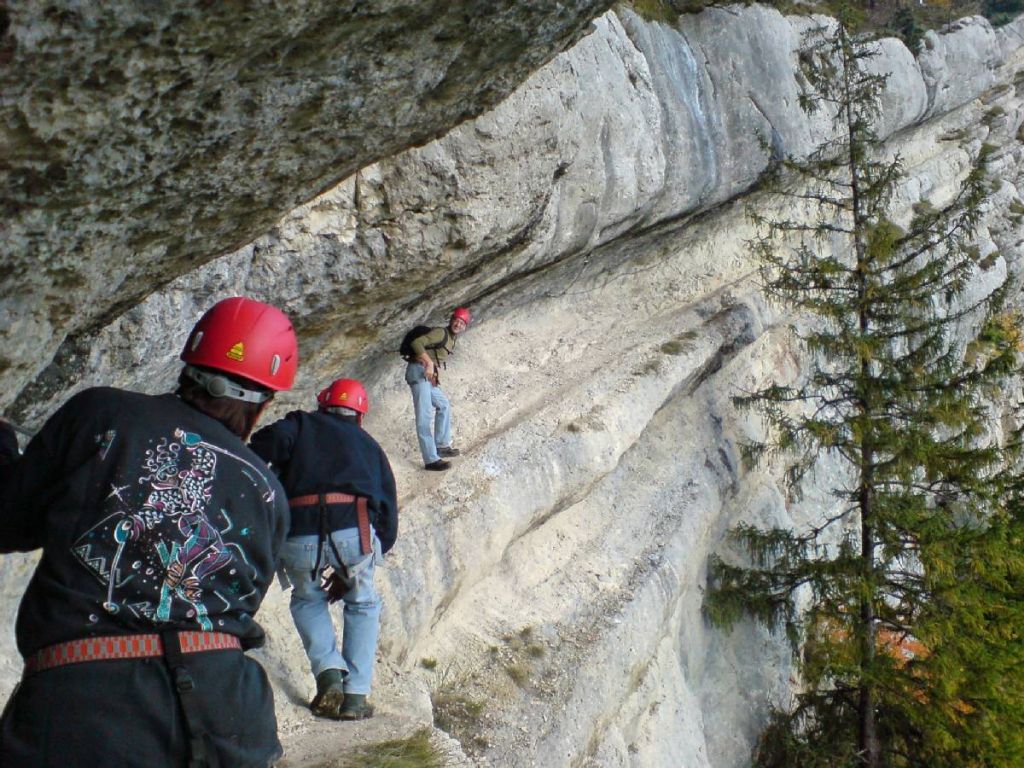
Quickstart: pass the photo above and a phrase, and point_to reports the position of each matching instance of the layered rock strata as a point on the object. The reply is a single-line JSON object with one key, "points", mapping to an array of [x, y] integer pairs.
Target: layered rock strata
{"points": [[142, 139], [552, 581]]}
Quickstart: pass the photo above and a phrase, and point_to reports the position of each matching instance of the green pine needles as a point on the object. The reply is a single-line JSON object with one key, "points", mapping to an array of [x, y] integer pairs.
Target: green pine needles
{"points": [[904, 603]]}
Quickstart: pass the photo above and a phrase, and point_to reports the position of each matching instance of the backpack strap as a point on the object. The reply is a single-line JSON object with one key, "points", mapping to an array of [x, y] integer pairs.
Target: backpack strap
{"points": [[411, 357], [442, 343]]}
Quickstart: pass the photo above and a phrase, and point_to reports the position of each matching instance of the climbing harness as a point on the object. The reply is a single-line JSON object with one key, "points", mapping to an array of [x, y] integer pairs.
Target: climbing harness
{"points": [[363, 521], [201, 755]]}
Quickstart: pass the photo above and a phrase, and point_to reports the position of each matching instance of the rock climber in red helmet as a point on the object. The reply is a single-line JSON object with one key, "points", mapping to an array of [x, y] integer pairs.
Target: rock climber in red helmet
{"points": [[344, 519], [426, 350], [160, 531]]}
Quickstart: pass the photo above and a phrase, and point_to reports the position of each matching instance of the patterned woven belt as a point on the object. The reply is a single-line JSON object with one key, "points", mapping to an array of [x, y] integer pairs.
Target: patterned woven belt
{"points": [[124, 647], [328, 498]]}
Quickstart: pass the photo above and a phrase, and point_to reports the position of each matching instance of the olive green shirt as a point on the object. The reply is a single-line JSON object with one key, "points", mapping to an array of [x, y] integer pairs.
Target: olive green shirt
{"points": [[436, 336]]}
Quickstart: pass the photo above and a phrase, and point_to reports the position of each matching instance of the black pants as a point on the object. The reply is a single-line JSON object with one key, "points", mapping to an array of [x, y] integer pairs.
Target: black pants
{"points": [[125, 714]]}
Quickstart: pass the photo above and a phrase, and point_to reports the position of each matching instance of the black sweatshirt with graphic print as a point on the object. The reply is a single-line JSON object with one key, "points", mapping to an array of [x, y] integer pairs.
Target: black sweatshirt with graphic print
{"points": [[151, 516], [322, 452]]}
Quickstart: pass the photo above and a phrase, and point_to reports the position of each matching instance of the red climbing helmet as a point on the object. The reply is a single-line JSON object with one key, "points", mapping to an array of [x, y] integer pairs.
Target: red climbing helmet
{"points": [[246, 338], [345, 393], [461, 313]]}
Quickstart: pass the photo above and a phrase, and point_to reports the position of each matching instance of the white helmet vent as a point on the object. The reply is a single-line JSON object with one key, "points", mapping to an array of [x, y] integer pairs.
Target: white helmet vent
{"points": [[275, 364], [196, 340]]}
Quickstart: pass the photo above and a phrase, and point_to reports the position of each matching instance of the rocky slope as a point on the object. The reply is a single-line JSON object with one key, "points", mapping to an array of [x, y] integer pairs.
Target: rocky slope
{"points": [[544, 600]]}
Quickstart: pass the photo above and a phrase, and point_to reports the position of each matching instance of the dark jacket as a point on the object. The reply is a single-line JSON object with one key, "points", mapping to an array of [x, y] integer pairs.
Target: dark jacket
{"points": [[322, 453], [151, 516], [8, 445]]}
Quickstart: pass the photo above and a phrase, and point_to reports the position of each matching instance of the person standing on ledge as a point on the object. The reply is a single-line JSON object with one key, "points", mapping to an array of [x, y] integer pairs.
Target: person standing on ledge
{"points": [[160, 532], [426, 350], [344, 518]]}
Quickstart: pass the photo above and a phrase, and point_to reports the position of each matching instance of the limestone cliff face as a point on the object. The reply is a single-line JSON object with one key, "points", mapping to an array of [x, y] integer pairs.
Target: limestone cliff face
{"points": [[594, 221], [141, 140]]}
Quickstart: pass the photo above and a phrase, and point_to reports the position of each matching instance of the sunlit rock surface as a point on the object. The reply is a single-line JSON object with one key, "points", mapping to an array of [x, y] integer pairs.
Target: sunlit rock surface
{"points": [[595, 222]]}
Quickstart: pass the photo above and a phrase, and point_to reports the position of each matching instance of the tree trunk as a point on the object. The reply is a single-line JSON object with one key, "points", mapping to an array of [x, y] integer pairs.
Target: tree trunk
{"points": [[870, 749]]}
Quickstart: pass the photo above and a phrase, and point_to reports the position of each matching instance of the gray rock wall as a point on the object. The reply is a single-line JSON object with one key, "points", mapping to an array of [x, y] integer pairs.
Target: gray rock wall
{"points": [[640, 126], [143, 139], [594, 220]]}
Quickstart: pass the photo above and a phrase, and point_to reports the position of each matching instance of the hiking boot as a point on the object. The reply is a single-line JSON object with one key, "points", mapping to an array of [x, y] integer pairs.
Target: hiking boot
{"points": [[438, 466], [330, 694], [448, 451], [355, 707]]}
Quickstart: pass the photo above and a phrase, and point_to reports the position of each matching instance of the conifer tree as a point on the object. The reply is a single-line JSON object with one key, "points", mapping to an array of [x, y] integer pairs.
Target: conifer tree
{"points": [[904, 603]]}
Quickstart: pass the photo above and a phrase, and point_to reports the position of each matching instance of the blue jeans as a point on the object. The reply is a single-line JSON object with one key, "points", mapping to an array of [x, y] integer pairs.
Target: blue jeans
{"points": [[312, 619], [433, 413]]}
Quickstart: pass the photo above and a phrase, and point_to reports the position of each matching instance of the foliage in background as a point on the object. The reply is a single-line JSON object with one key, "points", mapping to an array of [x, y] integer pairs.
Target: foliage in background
{"points": [[904, 603], [1001, 12], [905, 19]]}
